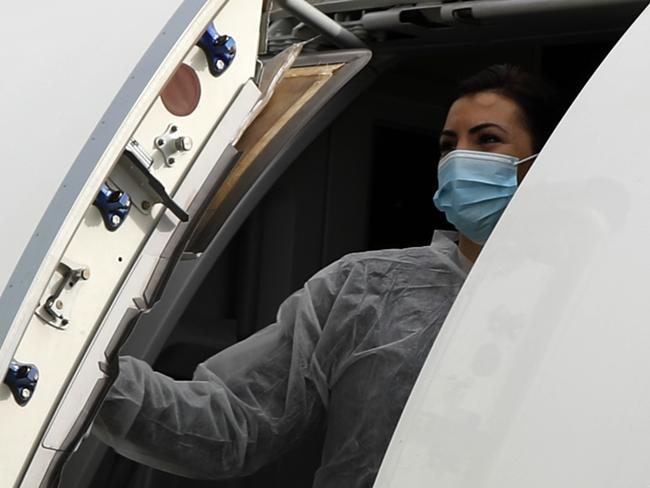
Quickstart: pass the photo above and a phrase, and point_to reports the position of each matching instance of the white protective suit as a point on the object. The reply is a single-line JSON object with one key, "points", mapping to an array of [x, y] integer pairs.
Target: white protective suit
{"points": [[346, 350]]}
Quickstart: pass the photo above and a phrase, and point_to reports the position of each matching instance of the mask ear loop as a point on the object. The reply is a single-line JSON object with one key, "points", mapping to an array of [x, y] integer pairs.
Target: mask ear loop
{"points": [[517, 163]]}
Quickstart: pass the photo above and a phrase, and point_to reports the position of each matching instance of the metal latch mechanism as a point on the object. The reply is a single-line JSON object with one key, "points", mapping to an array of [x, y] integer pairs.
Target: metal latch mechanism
{"points": [[21, 380], [171, 142], [62, 293], [139, 162], [114, 205], [219, 49]]}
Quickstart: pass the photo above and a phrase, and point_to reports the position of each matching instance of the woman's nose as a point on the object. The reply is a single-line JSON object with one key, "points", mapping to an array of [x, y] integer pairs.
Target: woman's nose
{"points": [[466, 144]]}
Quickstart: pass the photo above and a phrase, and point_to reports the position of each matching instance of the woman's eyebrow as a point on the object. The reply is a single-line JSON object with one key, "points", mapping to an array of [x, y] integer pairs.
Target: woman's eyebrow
{"points": [[486, 125], [448, 133]]}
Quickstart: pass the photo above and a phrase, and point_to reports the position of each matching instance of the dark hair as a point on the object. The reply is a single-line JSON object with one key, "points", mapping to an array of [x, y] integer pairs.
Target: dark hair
{"points": [[539, 102]]}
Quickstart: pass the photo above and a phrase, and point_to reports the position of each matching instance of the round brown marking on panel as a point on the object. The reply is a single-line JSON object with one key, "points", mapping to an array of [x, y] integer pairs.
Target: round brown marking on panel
{"points": [[182, 93]]}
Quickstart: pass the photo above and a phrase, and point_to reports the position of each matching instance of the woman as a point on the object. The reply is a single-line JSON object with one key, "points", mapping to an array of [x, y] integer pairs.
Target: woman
{"points": [[346, 349], [500, 111]]}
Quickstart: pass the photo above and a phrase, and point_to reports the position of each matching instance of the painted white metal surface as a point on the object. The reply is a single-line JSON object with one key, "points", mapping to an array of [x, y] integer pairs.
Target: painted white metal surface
{"points": [[56, 86], [110, 256], [539, 377]]}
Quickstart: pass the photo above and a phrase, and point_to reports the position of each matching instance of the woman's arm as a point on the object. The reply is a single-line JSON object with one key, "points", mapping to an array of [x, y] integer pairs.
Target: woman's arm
{"points": [[244, 406]]}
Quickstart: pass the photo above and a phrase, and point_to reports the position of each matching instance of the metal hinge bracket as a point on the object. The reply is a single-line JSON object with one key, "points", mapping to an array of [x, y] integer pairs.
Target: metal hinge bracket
{"points": [[61, 294]]}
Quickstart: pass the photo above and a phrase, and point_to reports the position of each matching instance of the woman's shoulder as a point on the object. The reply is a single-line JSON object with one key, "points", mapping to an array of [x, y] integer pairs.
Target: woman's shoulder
{"points": [[398, 256], [441, 256], [360, 267], [442, 250]]}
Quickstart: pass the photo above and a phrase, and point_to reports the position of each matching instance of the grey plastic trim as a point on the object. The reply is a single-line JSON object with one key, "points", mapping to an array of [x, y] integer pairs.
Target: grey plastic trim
{"points": [[479, 11], [174, 249], [499, 9], [319, 21], [349, 5]]}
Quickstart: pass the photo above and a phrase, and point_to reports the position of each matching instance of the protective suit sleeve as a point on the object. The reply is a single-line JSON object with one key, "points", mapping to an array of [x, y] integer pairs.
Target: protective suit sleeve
{"points": [[243, 407]]}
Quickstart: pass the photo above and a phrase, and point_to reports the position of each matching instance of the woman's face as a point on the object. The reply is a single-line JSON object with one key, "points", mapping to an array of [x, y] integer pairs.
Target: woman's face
{"points": [[489, 122]]}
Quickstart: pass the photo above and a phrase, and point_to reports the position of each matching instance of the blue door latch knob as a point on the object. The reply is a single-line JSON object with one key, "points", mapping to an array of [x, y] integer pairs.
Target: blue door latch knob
{"points": [[114, 205], [21, 380], [219, 49]]}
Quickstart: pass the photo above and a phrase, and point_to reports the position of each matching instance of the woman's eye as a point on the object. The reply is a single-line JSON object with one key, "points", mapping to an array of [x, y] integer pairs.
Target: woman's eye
{"points": [[489, 139]]}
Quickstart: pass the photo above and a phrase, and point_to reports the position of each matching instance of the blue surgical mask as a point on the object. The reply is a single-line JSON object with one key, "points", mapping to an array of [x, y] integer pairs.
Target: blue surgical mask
{"points": [[474, 188]]}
